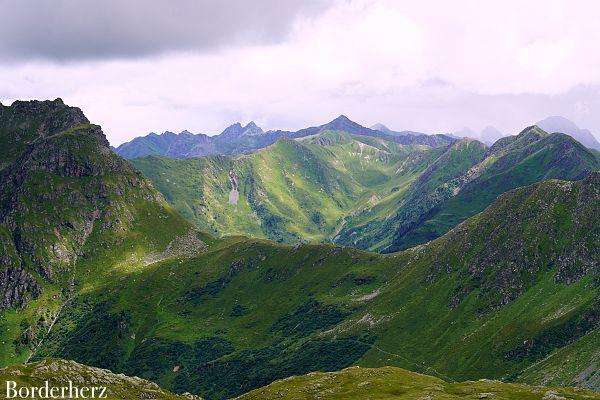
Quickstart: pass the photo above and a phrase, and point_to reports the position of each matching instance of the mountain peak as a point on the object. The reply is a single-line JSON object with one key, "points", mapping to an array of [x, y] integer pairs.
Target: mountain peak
{"points": [[380, 127], [556, 123], [341, 118], [343, 123], [533, 130], [237, 130]]}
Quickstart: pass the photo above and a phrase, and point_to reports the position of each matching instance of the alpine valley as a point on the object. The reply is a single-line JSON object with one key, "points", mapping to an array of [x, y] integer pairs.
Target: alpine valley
{"points": [[335, 262]]}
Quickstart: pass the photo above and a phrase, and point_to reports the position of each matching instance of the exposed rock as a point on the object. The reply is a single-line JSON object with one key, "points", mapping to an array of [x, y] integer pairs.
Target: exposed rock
{"points": [[17, 288]]}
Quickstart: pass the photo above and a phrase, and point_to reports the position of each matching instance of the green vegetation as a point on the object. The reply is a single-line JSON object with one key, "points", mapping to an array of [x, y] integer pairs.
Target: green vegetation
{"points": [[390, 383], [474, 296], [58, 373], [292, 190], [98, 268], [362, 191]]}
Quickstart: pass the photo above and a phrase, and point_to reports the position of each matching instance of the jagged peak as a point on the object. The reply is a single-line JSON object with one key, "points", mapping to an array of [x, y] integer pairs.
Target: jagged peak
{"points": [[234, 125], [47, 117], [238, 130]]}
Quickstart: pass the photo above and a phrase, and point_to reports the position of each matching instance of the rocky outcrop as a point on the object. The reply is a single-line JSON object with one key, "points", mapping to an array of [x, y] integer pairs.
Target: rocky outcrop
{"points": [[60, 372], [185, 246], [17, 288]]}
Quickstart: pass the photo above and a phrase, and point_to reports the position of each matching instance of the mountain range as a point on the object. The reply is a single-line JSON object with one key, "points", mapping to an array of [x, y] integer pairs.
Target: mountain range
{"points": [[238, 139], [100, 268], [339, 185], [490, 135]]}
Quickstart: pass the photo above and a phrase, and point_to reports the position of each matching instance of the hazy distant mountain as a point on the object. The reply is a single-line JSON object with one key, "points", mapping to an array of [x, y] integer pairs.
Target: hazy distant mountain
{"points": [[380, 127], [465, 132], [166, 144], [237, 139], [563, 125], [412, 137], [488, 135]]}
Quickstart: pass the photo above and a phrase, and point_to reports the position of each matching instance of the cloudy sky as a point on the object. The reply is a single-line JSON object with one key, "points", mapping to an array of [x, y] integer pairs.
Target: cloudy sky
{"points": [[436, 66]]}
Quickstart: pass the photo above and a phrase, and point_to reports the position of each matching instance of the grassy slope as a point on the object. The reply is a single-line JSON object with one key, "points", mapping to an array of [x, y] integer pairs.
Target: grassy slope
{"points": [[361, 191], [73, 216], [389, 383], [59, 372], [375, 229], [292, 190], [528, 158], [247, 312], [577, 364]]}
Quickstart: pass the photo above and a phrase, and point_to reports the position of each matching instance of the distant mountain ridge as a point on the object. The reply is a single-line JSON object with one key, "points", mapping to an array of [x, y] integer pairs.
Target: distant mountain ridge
{"points": [[358, 190], [488, 135], [238, 139], [563, 125], [554, 124]]}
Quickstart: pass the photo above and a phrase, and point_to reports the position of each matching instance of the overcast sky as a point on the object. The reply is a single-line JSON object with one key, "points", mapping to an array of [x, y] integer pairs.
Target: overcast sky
{"points": [[433, 66]]}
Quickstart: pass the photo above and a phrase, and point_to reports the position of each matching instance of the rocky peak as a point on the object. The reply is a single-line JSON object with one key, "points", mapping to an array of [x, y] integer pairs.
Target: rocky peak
{"points": [[31, 119], [252, 129], [61, 171], [24, 122], [237, 130], [343, 123]]}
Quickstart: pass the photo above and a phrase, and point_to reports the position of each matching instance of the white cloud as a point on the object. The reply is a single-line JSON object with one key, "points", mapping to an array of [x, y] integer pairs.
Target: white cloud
{"points": [[429, 65]]}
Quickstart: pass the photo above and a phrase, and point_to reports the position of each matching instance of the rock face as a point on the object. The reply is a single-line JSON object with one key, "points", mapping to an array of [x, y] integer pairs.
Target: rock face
{"points": [[26, 121], [17, 288], [61, 184]]}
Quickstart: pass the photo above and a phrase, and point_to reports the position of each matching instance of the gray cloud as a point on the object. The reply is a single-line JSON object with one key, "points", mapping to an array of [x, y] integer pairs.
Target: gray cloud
{"points": [[66, 30]]}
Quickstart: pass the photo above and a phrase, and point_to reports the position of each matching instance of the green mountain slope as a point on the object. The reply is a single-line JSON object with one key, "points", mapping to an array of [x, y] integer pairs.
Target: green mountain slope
{"points": [[390, 383], [360, 191], [58, 373], [292, 190], [375, 229], [72, 215], [97, 268], [499, 293], [435, 206]]}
